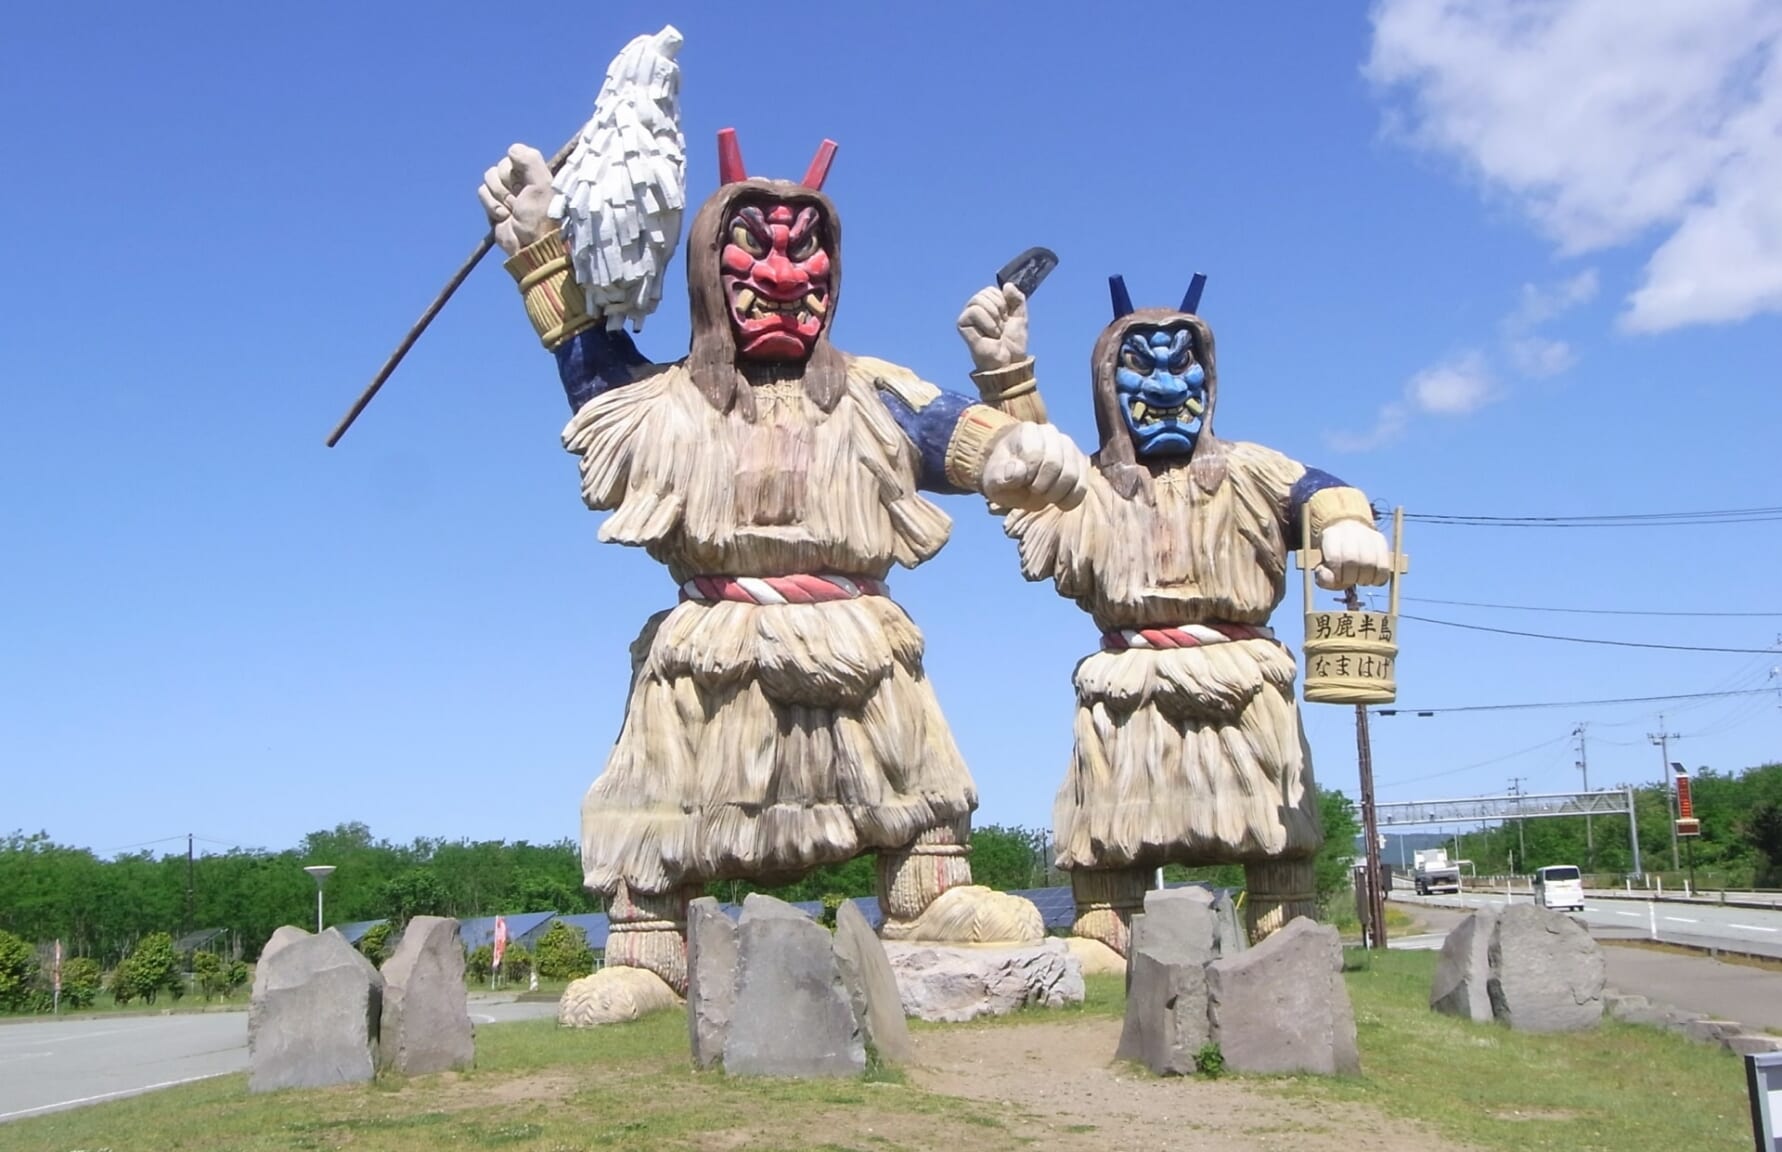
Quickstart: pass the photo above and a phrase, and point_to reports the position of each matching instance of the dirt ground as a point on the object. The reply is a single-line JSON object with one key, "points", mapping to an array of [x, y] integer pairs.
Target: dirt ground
{"points": [[1075, 1096]]}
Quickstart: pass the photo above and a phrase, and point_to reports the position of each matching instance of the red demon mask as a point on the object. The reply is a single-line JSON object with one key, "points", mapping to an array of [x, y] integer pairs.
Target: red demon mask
{"points": [[775, 263]]}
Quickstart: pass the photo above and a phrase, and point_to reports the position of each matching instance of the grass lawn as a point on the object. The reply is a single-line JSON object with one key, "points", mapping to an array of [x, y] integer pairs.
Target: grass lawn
{"points": [[539, 1088], [1622, 1087]]}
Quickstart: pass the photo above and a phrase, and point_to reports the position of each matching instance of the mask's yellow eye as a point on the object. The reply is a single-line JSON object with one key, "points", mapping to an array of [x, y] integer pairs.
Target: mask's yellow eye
{"points": [[743, 238], [1137, 361], [805, 248]]}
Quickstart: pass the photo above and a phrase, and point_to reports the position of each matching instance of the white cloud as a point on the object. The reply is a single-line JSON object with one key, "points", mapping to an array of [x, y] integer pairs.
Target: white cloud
{"points": [[1604, 120], [1541, 356], [1452, 388]]}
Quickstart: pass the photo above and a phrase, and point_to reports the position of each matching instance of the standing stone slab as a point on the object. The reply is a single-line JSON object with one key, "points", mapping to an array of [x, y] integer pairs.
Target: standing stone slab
{"points": [[426, 1017], [711, 979], [955, 984], [1231, 938], [1282, 1006], [792, 1015], [1166, 1013], [313, 1019], [1546, 972], [283, 936], [1177, 930], [872, 986], [1464, 971]]}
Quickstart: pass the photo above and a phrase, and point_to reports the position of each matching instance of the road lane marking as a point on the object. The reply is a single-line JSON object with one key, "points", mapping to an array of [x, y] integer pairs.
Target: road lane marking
{"points": [[1619, 912], [1682, 920], [109, 1096], [1751, 927]]}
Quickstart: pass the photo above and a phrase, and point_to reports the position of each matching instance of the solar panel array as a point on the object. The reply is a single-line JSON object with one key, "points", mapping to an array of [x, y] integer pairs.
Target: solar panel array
{"points": [[520, 927], [356, 931], [1056, 907], [594, 925]]}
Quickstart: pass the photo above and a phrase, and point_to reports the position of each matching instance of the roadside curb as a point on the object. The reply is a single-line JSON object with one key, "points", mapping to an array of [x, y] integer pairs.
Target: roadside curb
{"points": [[1728, 1034]]}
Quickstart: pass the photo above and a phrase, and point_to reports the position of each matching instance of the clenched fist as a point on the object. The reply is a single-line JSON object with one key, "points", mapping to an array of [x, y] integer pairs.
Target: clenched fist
{"points": [[1033, 466], [1352, 553], [516, 194], [994, 326]]}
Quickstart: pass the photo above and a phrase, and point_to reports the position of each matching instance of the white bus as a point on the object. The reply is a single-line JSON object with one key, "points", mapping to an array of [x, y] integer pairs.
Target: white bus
{"points": [[1559, 886]]}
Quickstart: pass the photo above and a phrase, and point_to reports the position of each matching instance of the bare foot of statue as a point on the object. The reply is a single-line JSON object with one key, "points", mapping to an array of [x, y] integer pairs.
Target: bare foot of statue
{"points": [[614, 996]]}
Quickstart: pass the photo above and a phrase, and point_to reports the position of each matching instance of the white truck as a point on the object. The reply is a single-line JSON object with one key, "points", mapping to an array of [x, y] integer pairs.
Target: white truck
{"points": [[1435, 872]]}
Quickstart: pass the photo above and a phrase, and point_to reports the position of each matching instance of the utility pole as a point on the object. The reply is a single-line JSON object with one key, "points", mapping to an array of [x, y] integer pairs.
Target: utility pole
{"points": [[1584, 767], [1521, 844], [1364, 756], [188, 930], [1663, 740]]}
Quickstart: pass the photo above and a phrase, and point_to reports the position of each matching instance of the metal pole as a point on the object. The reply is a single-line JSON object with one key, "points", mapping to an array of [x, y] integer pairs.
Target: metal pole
{"points": [[318, 907], [1584, 767], [1364, 755], [1633, 833], [188, 928], [1663, 740]]}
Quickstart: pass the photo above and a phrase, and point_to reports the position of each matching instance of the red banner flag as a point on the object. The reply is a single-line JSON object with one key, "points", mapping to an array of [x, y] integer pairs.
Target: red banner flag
{"points": [[500, 939]]}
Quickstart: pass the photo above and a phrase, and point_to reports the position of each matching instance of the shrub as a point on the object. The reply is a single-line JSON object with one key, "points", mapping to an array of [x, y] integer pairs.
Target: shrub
{"points": [[563, 953], [18, 972], [208, 973], [478, 963], [235, 975], [375, 944], [80, 982], [154, 966], [516, 962]]}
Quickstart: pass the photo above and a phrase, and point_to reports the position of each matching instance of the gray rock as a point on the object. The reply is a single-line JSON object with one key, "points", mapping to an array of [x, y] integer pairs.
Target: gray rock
{"points": [[1546, 972], [1752, 1043], [313, 1018], [1178, 930], [872, 987], [426, 1020], [792, 1015], [1463, 973], [1712, 1031], [281, 937], [1231, 938], [1282, 1006], [937, 982], [1166, 1013], [711, 979], [1620, 1006]]}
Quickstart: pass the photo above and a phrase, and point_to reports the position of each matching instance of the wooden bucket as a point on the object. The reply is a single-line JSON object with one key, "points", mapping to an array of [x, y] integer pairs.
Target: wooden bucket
{"points": [[1350, 655]]}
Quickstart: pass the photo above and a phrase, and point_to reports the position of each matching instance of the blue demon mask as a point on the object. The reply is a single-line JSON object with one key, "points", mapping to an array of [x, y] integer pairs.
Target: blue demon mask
{"points": [[1162, 390]]}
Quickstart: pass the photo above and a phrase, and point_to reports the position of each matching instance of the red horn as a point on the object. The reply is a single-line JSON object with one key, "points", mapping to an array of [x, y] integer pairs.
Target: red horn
{"points": [[730, 164], [819, 169]]}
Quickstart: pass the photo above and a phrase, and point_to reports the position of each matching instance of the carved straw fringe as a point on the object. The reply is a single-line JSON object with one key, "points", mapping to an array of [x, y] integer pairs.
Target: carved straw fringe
{"points": [[1191, 755], [1276, 892]]}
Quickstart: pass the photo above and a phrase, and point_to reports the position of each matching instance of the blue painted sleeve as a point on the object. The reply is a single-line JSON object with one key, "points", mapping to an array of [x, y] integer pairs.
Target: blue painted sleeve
{"points": [[595, 360], [1313, 482], [930, 431]]}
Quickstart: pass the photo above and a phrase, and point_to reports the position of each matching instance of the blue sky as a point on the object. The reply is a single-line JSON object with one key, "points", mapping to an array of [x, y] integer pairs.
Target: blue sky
{"points": [[1512, 265]]}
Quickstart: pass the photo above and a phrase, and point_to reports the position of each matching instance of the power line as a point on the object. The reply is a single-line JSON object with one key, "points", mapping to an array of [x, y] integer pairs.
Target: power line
{"points": [[1583, 639], [1629, 520], [1570, 703], [1479, 764], [1580, 611]]}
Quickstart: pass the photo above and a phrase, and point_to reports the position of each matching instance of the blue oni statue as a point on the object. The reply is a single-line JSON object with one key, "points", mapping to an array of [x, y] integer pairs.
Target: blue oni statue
{"points": [[1188, 747]]}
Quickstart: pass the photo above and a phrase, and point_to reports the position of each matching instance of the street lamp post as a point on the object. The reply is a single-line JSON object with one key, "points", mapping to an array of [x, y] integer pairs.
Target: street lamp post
{"points": [[321, 872]]}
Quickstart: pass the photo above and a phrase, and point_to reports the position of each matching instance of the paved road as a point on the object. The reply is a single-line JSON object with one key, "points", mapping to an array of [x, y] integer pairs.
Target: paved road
{"points": [[1752, 996], [50, 1065], [1757, 930]]}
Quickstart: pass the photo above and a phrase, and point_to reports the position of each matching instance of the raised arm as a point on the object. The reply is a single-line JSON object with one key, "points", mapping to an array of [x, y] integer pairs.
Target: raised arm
{"points": [[1342, 524], [591, 359]]}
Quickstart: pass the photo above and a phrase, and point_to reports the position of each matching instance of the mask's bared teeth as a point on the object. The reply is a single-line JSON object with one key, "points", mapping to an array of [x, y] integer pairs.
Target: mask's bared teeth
{"points": [[745, 301], [1139, 410], [1195, 407], [815, 304]]}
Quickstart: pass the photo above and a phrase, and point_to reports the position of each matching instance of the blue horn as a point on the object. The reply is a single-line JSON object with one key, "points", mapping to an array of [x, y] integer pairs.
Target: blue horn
{"points": [[1191, 302], [1122, 300]]}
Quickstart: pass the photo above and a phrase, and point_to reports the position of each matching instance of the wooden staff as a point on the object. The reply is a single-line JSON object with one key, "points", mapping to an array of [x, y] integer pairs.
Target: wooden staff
{"points": [[439, 301]]}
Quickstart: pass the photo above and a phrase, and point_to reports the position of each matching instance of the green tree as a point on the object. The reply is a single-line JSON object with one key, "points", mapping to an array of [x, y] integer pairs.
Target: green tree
{"points": [[1006, 858], [414, 893], [153, 967], [18, 972], [1763, 828], [563, 953], [1331, 867]]}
